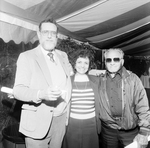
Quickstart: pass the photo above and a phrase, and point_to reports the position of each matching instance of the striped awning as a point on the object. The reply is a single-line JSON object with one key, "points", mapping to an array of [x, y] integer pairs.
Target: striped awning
{"points": [[103, 23]]}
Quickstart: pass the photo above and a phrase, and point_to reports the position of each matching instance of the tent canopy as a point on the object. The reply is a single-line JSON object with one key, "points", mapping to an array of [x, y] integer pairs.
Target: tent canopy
{"points": [[103, 23]]}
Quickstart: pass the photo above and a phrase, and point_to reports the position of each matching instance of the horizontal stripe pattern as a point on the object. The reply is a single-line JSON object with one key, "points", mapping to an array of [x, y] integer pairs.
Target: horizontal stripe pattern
{"points": [[83, 101]]}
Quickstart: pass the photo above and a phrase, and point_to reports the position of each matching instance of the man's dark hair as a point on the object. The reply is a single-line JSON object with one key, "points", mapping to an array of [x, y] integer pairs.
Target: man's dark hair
{"points": [[48, 20]]}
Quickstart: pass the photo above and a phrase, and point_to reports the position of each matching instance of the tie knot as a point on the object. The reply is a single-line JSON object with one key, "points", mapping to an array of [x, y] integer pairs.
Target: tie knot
{"points": [[51, 55]]}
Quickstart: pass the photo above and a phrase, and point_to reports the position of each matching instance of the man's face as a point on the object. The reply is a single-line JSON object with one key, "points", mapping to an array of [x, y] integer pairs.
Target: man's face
{"points": [[113, 61], [48, 36]]}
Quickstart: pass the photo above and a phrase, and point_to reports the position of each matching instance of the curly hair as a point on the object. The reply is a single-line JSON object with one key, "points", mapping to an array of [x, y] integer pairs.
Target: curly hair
{"points": [[82, 53]]}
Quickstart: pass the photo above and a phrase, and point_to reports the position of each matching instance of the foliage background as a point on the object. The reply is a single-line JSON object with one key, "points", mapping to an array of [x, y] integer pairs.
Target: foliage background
{"points": [[9, 52]]}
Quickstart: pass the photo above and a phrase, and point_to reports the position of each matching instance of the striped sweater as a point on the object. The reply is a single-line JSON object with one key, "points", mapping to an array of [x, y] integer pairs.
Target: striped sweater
{"points": [[82, 101]]}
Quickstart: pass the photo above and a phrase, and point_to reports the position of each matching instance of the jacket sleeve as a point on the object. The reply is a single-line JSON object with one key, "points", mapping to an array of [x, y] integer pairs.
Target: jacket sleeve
{"points": [[21, 89], [141, 105]]}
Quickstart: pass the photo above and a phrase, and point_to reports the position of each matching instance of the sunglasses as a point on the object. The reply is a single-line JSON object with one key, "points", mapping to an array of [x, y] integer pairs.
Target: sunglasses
{"points": [[109, 60]]}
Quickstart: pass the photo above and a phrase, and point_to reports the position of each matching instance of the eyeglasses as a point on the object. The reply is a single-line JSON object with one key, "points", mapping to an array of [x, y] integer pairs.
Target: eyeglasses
{"points": [[47, 32], [116, 60]]}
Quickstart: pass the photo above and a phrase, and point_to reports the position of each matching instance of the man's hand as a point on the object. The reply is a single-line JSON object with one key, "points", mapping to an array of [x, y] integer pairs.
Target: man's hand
{"points": [[142, 140], [50, 94]]}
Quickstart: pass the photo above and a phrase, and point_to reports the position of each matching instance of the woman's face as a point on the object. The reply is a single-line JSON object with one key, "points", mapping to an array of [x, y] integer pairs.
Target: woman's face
{"points": [[82, 65]]}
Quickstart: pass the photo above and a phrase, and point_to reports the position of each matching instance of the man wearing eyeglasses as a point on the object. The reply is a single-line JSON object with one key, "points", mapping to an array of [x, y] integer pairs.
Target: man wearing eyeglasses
{"points": [[43, 83], [124, 105]]}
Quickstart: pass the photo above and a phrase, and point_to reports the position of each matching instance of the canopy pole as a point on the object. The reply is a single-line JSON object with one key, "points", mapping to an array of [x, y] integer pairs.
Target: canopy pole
{"points": [[103, 60]]}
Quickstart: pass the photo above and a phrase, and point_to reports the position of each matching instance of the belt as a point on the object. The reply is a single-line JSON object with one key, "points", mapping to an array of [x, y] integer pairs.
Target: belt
{"points": [[117, 118], [129, 130], [104, 125]]}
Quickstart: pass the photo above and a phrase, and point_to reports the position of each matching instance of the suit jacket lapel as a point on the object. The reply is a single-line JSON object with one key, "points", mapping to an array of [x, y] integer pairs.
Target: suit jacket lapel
{"points": [[43, 65], [62, 62]]}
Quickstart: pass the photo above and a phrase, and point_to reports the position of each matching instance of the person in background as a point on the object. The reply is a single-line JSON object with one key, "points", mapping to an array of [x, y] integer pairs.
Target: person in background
{"points": [[43, 83], [84, 124], [124, 109], [145, 78]]}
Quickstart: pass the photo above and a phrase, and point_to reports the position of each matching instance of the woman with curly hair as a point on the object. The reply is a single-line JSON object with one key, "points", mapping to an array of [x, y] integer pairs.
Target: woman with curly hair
{"points": [[84, 124]]}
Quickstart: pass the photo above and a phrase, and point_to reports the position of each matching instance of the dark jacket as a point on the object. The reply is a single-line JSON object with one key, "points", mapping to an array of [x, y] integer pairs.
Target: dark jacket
{"points": [[94, 82], [135, 107]]}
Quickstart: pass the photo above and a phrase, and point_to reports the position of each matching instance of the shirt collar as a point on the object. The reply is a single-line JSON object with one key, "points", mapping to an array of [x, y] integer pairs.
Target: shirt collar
{"points": [[118, 72], [45, 52]]}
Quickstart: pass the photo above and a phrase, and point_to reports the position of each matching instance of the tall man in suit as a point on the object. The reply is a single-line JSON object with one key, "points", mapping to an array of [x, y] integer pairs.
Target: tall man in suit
{"points": [[43, 82]]}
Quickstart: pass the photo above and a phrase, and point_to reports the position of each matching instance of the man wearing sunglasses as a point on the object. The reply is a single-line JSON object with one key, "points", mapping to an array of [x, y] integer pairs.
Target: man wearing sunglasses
{"points": [[124, 105]]}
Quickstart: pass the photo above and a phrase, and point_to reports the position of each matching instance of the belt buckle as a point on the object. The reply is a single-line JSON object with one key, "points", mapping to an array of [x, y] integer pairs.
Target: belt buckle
{"points": [[117, 118]]}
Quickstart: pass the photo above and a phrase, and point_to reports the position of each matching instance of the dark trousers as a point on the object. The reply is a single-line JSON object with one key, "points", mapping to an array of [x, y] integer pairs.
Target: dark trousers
{"points": [[113, 138]]}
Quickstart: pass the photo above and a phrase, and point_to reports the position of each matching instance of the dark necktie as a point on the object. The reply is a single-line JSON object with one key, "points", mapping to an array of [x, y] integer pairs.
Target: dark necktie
{"points": [[51, 56]]}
